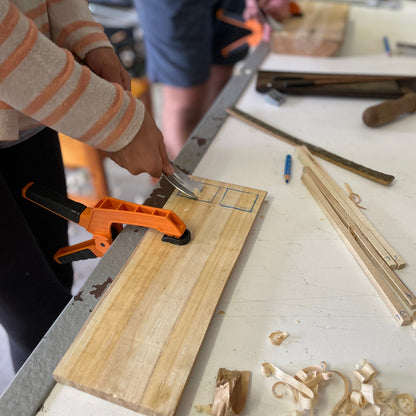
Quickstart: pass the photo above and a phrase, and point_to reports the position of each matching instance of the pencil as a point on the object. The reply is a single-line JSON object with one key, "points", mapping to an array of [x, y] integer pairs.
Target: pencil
{"points": [[387, 45], [288, 167]]}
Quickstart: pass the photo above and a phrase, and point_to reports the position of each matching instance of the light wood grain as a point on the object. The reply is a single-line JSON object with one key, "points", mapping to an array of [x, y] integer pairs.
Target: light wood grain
{"points": [[386, 293], [138, 346], [386, 251], [385, 271], [319, 32]]}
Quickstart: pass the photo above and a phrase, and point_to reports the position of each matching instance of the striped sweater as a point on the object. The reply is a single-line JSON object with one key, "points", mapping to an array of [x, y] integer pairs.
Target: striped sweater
{"points": [[42, 84]]}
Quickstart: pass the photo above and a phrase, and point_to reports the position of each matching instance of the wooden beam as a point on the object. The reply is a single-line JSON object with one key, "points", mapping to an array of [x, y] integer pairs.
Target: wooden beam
{"points": [[139, 344]]}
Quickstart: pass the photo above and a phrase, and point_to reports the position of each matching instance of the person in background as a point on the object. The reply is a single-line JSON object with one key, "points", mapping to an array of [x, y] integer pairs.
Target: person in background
{"points": [[183, 42], [44, 89]]}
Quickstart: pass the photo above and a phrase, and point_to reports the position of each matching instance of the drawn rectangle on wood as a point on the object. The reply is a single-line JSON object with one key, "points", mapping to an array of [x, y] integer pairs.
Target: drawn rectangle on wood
{"points": [[139, 344]]}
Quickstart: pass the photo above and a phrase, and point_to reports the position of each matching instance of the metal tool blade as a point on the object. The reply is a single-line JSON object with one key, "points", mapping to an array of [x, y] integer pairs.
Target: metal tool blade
{"points": [[184, 183]]}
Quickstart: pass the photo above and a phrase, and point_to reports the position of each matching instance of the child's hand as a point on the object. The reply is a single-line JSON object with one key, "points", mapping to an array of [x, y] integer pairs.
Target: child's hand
{"points": [[145, 153]]}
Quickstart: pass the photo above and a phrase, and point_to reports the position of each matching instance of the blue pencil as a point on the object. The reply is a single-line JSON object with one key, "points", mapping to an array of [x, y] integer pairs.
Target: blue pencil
{"points": [[288, 167], [387, 45]]}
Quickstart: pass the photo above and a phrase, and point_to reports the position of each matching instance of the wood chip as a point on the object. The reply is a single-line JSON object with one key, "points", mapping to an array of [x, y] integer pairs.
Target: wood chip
{"points": [[276, 338], [230, 392]]}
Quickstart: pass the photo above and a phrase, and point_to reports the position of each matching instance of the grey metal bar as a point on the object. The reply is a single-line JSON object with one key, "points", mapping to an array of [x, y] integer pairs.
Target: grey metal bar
{"points": [[34, 381]]}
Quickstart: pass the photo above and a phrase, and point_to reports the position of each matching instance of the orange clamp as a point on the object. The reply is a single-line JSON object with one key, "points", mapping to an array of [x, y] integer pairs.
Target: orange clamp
{"points": [[105, 221], [254, 27]]}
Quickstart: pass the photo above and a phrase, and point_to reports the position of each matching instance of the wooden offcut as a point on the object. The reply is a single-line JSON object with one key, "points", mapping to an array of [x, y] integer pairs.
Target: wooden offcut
{"points": [[319, 32], [139, 344]]}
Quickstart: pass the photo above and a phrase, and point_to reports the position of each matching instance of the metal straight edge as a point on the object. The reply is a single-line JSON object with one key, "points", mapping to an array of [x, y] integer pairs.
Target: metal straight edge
{"points": [[33, 383]]}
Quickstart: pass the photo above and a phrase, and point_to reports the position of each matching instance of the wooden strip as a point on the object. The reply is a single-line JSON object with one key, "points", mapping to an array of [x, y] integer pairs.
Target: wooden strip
{"points": [[394, 304], [392, 278], [139, 344], [347, 213], [389, 254], [368, 173]]}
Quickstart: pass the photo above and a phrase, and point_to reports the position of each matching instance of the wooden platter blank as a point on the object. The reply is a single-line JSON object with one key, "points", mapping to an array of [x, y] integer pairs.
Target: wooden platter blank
{"points": [[139, 344]]}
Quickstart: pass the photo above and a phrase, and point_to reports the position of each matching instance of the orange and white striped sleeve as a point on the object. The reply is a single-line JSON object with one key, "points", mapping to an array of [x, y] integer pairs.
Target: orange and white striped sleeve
{"points": [[72, 26], [44, 82]]}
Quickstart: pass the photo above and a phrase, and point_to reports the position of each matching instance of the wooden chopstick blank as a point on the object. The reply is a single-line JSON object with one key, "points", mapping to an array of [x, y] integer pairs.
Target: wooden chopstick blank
{"points": [[368, 247]]}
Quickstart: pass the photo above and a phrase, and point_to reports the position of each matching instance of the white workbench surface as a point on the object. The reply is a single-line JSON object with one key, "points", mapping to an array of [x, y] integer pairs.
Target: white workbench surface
{"points": [[294, 273]]}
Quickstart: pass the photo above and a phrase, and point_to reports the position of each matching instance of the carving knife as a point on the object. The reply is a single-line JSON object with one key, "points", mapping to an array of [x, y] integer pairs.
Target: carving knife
{"points": [[184, 183]]}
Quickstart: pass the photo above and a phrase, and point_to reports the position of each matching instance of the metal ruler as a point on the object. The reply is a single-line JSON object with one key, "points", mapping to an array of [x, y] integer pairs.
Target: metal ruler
{"points": [[34, 381]]}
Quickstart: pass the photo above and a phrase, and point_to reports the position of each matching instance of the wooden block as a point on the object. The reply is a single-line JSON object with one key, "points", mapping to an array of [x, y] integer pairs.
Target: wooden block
{"points": [[319, 32], [139, 344]]}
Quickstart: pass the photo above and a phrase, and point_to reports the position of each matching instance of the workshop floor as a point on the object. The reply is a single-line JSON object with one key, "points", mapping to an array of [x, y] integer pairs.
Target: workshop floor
{"points": [[123, 186]]}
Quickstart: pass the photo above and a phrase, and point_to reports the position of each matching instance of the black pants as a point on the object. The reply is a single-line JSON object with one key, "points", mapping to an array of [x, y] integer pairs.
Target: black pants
{"points": [[33, 287]]}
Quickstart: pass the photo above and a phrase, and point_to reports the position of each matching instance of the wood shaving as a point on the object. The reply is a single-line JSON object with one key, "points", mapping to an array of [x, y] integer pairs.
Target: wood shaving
{"points": [[358, 399], [367, 390], [302, 388], [404, 403], [305, 382], [204, 408], [364, 371], [353, 196], [280, 390], [230, 392], [344, 406], [382, 396], [276, 338]]}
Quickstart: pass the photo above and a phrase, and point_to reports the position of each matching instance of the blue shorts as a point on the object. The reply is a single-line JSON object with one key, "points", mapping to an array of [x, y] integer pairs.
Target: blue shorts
{"points": [[183, 39]]}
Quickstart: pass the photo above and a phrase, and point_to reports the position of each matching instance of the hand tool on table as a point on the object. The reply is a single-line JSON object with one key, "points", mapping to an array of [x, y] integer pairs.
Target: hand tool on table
{"points": [[384, 113], [105, 221], [336, 85]]}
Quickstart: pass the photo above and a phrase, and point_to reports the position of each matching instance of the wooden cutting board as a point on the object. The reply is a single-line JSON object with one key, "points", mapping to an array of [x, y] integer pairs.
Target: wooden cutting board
{"points": [[319, 32], [140, 342]]}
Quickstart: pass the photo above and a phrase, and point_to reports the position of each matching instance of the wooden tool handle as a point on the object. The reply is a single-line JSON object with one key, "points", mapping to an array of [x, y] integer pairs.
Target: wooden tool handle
{"points": [[389, 110]]}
